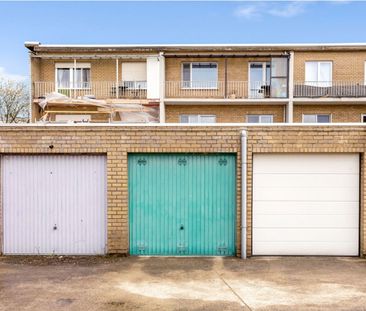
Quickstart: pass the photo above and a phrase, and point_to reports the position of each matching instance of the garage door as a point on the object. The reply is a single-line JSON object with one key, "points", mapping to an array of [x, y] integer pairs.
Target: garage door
{"points": [[182, 204], [306, 204], [54, 204]]}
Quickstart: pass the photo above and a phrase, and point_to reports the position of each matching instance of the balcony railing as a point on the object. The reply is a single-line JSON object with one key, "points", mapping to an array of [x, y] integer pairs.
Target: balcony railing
{"points": [[329, 89], [218, 89], [98, 89]]}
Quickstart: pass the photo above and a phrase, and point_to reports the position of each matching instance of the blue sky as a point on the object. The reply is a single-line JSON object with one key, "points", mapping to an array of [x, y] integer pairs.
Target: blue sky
{"points": [[173, 22]]}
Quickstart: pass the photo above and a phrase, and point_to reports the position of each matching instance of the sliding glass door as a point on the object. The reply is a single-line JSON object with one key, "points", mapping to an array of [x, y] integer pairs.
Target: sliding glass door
{"points": [[259, 79]]}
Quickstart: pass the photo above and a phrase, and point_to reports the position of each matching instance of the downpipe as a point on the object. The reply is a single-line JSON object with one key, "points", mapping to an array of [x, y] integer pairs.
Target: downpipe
{"points": [[244, 139]]}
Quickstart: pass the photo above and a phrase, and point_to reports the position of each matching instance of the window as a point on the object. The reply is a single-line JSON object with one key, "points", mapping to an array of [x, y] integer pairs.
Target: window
{"points": [[279, 77], [66, 78], [196, 118], [134, 75], [199, 75], [316, 118], [259, 79], [260, 118], [363, 118], [318, 73]]}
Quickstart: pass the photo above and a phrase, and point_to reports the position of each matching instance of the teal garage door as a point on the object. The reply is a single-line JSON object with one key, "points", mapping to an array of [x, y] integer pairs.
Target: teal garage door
{"points": [[182, 204]]}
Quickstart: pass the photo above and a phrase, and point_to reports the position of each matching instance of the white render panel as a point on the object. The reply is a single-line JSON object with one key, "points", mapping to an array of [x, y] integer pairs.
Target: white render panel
{"points": [[134, 71], [306, 204], [153, 77], [54, 204]]}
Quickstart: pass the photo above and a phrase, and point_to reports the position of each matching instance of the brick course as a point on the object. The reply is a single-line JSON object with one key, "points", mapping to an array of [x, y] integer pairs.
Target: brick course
{"points": [[225, 113], [347, 66], [117, 141], [341, 113]]}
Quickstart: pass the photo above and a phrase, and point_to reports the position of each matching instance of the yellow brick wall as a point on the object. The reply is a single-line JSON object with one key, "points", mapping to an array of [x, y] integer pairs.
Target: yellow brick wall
{"points": [[347, 66], [101, 69], [340, 112], [117, 141], [237, 68], [224, 113]]}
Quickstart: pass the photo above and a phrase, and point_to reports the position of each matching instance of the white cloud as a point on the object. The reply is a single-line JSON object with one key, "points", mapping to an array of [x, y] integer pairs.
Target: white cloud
{"points": [[290, 10], [10, 76], [341, 1], [279, 9], [248, 11]]}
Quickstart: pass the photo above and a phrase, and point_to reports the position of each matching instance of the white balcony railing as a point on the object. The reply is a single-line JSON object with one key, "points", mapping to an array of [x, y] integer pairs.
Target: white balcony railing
{"points": [[217, 89], [98, 89], [330, 89]]}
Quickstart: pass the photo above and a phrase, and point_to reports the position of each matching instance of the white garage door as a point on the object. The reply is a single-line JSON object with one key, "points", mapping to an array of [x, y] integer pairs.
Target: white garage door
{"points": [[306, 204], [54, 204]]}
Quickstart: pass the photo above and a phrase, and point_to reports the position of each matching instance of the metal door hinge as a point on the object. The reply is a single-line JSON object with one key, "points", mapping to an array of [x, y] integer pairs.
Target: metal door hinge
{"points": [[182, 161], [222, 249], [181, 248], [141, 161], [222, 162], [141, 247]]}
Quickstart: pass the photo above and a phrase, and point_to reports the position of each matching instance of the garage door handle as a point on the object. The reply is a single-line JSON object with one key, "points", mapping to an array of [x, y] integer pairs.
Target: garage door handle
{"points": [[181, 227], [54, 227]]}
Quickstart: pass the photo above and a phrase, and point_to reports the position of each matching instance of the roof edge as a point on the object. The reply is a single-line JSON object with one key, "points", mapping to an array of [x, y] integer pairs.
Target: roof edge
{"points": [[35, 45]]}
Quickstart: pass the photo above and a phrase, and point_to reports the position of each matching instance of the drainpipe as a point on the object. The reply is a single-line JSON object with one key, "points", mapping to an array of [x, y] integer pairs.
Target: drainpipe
{"points": [[117, 79], [74, 79], [290, 104], [244, 194], [161, 87]]}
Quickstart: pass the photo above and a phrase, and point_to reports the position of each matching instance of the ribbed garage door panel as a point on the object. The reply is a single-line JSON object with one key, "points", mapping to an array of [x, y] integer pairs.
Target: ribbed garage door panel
{"points": [[306, 204], [182, 204], [54, 204]]}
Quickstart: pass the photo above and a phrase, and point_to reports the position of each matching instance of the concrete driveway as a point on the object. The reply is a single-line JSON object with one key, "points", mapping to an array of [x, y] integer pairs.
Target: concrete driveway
{"points": [[118, 283]]}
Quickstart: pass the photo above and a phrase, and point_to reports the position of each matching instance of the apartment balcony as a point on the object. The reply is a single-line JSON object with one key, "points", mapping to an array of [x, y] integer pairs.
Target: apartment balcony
{"points": [[232, 90], [332, 89], [97, 90]]}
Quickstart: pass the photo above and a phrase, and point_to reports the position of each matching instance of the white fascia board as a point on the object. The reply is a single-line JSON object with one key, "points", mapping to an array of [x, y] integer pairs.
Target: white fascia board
{"points": [[360, 44]]}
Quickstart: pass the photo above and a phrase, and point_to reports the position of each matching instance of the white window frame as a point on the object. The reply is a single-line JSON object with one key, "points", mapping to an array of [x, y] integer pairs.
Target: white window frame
{"points": [[264, 76], [190, 74], [199, 118], [260, 116], [318, 83], [317, 114], [72, 66], [362, 116], [134, 84]]}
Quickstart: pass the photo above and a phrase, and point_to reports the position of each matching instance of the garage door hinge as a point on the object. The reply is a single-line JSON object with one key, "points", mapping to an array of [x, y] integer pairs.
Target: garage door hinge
{"points": [[141, 161], [181, 248], [141, 248], [222, 249], [182, 161]]}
